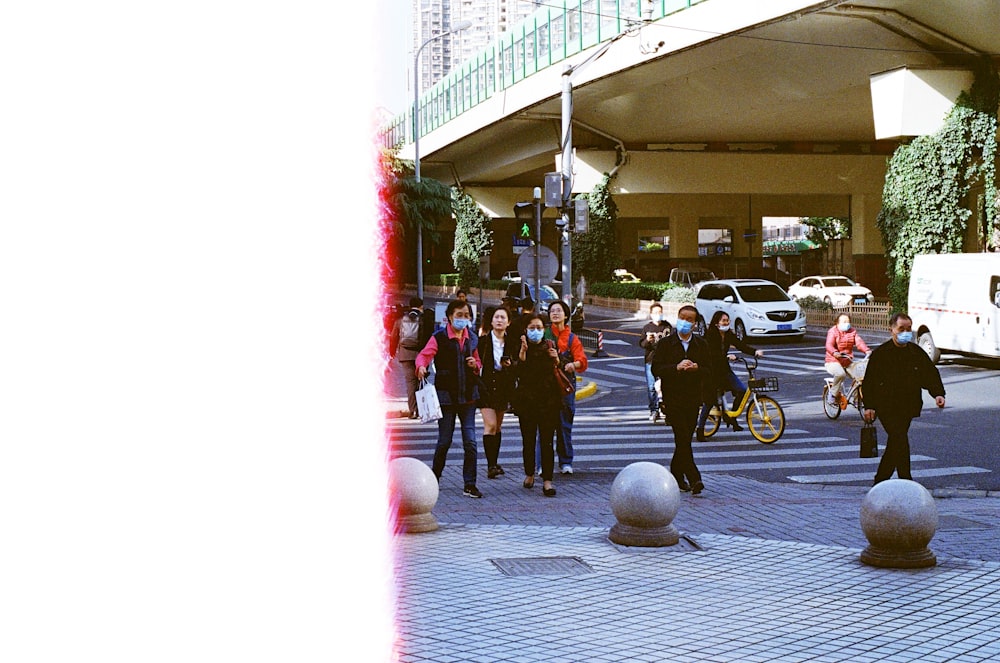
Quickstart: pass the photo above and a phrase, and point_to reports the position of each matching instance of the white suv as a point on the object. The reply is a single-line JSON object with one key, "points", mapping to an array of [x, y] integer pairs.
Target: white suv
{"points": [[756, 307]]}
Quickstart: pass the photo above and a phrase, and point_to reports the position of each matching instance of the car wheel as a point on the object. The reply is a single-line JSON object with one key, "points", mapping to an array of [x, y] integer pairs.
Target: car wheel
{"points": [[826, 300], [926, 344], [740, 330]]}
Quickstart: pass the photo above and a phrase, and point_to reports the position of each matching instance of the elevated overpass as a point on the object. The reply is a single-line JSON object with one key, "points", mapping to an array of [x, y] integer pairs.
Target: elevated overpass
{"points": [[713, 114]]}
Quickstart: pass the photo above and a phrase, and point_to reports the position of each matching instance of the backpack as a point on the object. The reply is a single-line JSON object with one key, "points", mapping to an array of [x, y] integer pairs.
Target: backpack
{"points": [[409, 332]]}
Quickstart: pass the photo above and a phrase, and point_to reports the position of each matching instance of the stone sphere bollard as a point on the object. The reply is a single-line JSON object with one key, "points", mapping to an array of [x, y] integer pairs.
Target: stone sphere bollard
{"points": [[645, 499], [413, 492], [899, 518]]}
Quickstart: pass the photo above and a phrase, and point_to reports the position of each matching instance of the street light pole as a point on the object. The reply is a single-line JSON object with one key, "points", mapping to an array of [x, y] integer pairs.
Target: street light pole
{"points": [[461, 25]]}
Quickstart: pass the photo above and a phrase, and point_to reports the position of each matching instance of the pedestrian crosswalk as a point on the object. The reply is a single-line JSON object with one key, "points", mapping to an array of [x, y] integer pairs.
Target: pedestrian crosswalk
{"points": [[608, 438], [627, 372]]}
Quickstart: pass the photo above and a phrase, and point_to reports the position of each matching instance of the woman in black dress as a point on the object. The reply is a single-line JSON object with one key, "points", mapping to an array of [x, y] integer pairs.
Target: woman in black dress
{"points": [[498, 382]]}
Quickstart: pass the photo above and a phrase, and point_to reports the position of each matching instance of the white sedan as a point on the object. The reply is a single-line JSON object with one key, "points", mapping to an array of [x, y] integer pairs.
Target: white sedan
{"points": [[838, 291]]}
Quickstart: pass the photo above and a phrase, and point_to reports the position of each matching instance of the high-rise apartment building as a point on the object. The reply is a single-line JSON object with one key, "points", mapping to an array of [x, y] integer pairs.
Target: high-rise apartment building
{"points": [[489, 19]]}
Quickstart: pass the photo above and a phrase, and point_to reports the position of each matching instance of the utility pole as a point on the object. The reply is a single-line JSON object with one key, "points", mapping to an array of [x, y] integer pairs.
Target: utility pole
{"points": [[567, 185], [567, 161]]}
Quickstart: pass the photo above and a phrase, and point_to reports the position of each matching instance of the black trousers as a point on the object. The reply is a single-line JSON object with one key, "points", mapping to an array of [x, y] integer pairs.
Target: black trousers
{"points": [[683, 418], [897, 448], [538, 427]]}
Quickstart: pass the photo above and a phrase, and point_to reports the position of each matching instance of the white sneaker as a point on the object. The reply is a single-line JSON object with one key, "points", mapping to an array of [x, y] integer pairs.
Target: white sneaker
{"points": [[652, 415], [566, 469]]}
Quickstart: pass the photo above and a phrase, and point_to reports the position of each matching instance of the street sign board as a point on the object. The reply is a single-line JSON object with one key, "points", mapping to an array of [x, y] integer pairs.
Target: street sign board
{"points": [[548, 264]]}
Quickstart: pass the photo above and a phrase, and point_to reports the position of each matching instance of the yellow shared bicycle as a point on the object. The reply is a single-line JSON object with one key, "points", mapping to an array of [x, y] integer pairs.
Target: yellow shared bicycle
{"points": [[764, 416]]}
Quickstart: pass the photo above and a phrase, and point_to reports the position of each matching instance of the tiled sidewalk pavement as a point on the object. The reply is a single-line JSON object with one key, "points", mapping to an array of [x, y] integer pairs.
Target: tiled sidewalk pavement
{"points": [[738, 599], [968, 528]]}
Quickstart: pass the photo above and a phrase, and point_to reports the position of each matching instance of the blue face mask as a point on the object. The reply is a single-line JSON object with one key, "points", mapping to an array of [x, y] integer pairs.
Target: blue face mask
{"points": [[460, 323], [683, 327], [535, 335], [904, 336]]}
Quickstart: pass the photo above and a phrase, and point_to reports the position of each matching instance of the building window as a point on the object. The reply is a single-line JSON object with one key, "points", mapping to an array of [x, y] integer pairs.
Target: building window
{"points": [[652, 241], [715, 242]]}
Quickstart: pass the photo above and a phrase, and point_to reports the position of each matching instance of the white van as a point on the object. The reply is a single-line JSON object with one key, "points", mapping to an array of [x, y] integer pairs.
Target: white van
{"points": [[954, 301]]}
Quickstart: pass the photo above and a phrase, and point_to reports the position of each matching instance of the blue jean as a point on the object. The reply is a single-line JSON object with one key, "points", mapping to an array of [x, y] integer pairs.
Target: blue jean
{"points": [[736, 387], [466, 414], [651, 386], [564, 431]]}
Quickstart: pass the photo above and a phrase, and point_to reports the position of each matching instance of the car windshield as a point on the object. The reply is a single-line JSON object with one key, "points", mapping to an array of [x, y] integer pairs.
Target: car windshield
{"points": [[765, 292], [838, 282]]}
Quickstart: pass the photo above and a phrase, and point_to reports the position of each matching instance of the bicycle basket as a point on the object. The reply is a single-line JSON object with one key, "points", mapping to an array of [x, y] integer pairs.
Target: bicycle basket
{"points": [[764, 384], [858, 369]]}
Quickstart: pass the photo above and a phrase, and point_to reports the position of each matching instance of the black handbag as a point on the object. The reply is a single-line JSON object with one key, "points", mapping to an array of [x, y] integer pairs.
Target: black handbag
{"points": [[869, 441]]}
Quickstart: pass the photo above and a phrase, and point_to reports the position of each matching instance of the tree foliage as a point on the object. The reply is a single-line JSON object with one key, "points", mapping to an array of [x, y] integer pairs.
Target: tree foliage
{"points": [[822, 229], [595, 252], [473, 237], [405, 205], [924, 201]]}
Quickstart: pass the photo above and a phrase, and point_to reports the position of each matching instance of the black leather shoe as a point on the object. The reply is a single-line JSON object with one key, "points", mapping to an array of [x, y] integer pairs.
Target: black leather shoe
{"points": [[700, 434], [736, 426], [697, 487], [683, 485]]}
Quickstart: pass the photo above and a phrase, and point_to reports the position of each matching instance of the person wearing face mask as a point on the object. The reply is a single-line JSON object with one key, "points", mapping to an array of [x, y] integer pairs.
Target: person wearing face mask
{"points": [[454, 352], [651, 334], [897, 372], [683, 362], [537, 401], [720, 338], [841, 340]]}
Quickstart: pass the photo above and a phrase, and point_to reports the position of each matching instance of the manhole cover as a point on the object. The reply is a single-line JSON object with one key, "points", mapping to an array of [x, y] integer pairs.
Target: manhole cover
{"points": [[542, 566], [957, 522]]}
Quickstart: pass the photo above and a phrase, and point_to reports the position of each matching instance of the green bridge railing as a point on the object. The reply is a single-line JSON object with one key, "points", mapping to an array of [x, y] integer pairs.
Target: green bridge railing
{"points": [[550, 35]]}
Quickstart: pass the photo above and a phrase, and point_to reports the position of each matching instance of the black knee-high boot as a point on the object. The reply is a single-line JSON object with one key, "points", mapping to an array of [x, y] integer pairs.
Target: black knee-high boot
{"points": [[491, 447], [499, 469]]}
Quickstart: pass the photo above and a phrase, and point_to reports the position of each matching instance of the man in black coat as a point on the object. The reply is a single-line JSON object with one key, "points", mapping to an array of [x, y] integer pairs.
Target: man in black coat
{"points": [[683, 363], [896, 373]]}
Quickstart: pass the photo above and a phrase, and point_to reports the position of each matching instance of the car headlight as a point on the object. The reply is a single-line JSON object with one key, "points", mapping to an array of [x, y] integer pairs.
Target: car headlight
{"points": [[755, 314]]}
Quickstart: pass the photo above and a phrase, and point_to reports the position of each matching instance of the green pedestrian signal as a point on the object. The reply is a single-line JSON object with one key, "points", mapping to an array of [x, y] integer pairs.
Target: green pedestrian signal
{"points": [[525, 231]]}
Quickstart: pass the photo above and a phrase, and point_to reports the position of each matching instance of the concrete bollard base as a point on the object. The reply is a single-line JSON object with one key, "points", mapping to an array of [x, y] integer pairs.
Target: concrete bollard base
{"points": [[895, 559], [644, 537], [416, 523]]}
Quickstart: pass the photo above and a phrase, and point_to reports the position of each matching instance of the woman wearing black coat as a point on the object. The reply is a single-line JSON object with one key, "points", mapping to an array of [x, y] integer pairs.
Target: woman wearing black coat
{"points": [[537, 400], [720, 338]]}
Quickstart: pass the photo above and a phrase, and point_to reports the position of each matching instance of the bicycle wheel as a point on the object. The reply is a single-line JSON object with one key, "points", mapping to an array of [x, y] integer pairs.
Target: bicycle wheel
{"points": [[858, 400], [713, 421], [766, 419], [832, 410]]}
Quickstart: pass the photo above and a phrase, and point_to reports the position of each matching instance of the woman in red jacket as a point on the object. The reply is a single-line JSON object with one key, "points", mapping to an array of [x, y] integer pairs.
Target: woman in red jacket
{"points": [[841, 340]]}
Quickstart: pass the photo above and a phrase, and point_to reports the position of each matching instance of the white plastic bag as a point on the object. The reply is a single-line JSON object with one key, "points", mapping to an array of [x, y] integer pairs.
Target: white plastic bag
{"points": [[428, 406]]}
